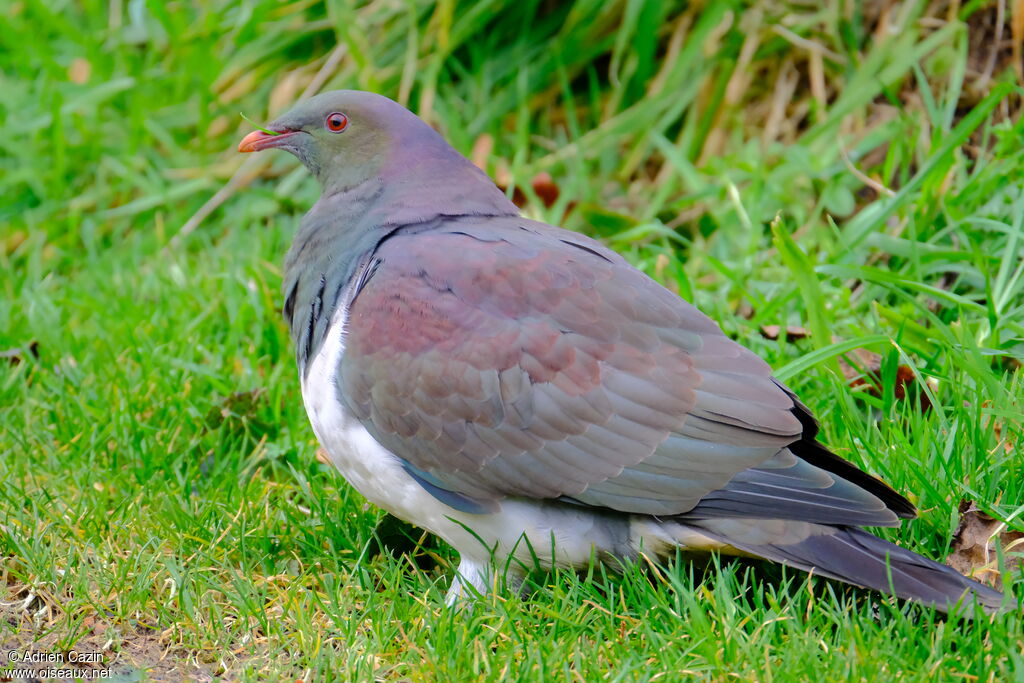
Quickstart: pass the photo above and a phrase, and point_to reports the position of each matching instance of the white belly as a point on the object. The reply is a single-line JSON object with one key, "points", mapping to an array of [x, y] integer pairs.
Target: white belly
{"points": [[373, 470]]}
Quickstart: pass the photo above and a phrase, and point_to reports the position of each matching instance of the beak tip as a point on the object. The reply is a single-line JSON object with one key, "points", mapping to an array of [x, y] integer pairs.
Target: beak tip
{"points": [[258, 141], [251, 142]]}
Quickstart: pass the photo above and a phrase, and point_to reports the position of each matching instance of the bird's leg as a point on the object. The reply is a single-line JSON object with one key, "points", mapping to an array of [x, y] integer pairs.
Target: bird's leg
{"points": [[475, 578], [472, 579]]}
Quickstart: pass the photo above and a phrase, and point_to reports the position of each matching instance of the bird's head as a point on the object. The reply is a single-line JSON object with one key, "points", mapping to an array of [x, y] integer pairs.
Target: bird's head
{"points": [[348, 138], [345, 137]]}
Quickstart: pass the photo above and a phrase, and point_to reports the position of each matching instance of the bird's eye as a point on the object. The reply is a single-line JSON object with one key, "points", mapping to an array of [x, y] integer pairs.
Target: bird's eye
{"points": [[336, 122]]}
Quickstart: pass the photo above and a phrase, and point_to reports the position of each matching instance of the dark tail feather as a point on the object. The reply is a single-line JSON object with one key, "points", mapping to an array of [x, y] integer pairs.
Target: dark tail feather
{"points": [[807, 448], [857, 557]]}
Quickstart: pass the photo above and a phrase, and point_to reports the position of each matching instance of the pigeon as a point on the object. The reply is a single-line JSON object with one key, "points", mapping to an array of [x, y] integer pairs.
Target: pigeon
{"points": [[525, 394]]}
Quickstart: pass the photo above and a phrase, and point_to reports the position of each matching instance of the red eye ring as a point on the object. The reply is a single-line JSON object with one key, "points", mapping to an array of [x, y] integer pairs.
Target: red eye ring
{"points": [[336, 122]]}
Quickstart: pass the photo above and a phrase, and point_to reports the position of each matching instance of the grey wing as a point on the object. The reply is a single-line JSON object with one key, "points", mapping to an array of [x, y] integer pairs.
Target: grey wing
{"points": [[538, 364]]}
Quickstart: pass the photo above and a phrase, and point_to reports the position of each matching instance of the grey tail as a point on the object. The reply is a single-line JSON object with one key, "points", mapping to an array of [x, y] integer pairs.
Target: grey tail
{"points": [[854, 556]]}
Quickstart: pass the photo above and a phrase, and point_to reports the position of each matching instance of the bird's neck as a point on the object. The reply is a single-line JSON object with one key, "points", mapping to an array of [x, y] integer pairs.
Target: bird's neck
{"points": [[425, 178]]}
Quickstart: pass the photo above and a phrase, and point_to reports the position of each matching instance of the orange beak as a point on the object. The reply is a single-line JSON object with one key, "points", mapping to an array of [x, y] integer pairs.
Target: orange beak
{"points": [[258, 140]]}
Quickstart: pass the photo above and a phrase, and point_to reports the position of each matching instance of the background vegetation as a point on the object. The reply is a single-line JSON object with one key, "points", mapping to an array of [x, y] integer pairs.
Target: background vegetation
{"points": [[851, 170]]}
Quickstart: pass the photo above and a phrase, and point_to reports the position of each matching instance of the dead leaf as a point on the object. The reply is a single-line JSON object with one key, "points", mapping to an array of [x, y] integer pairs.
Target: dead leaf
{"points": [[1008, 444], [974, 545], [218, 126], [322, 457], [792, 332], [79, 70], [868, 373], [545, 188], [16, 355], [239, 406], [286, 91], [661, 274], [1017, 29], [14, 240], [518, 196], [543, 184], [869, 361], [745, 310], [482, 149], [502, 174]]}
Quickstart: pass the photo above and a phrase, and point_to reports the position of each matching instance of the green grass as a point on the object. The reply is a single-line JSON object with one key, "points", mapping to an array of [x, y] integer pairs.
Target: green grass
{"points": [[159, 491]]}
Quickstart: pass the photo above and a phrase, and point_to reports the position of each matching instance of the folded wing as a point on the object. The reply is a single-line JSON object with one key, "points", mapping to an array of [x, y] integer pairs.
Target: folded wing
{"points": [[538, 364]]}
